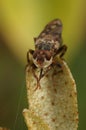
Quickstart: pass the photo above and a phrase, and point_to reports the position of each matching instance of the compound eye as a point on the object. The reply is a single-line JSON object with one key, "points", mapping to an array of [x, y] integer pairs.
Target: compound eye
{"points": [[39, 46], [47, 47], [43, 46]]}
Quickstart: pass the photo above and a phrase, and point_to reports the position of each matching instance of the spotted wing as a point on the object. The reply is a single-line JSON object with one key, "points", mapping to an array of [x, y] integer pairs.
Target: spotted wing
{"points": [[52, 31]]}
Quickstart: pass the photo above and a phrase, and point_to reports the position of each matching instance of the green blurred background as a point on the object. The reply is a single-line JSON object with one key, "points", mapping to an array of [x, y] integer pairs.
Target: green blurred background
{"points": [[20, 22]]}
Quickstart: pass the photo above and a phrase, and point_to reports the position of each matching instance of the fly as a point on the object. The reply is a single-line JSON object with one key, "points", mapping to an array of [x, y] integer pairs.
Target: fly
{"points": [[47, 46]]}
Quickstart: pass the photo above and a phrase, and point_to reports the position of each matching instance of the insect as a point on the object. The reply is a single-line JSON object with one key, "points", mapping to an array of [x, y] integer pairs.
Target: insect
{"points": [[47, 46]]}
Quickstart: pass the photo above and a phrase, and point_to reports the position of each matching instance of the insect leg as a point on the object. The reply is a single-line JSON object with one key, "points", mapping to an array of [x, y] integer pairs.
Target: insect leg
{"points": [[37, 79], [43, 74], [29, 52], [62, 50], [33, 67]]}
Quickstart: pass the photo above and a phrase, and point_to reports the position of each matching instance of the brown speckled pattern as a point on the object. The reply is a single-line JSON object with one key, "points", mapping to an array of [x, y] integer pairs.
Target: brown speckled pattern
{"points": [[54, 106]]}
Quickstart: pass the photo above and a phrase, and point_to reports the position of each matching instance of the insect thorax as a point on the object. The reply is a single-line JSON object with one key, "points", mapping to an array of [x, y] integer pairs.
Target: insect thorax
{"points": [[47, 44]]}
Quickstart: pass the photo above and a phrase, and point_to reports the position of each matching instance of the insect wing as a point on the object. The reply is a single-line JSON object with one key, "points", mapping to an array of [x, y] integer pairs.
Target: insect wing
{"points": [[52, 29]]}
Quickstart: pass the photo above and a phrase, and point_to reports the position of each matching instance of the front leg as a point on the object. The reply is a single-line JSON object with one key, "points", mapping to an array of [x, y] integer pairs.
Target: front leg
{"points": [[41, 75], [28, 58], [61, 51], [36, 77], [33, 67], [29, 52]]}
